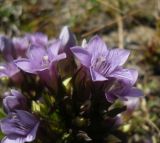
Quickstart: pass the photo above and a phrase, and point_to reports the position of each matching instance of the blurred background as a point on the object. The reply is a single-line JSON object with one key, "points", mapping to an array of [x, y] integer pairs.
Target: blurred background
{"points": [[129, 24]]}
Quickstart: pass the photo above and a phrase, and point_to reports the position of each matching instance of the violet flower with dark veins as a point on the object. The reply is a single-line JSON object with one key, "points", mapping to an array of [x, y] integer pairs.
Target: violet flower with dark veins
{"points": [[19, 127], [104, 63], [13, 100]]}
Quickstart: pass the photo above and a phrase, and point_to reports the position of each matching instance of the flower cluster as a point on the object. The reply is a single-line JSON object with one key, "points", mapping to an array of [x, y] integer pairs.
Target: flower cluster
{"points": [[61, 92]]}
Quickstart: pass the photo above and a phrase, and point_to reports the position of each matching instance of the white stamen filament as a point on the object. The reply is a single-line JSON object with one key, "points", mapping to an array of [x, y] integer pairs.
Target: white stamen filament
{"points": [[2, 68], [46, 58]]}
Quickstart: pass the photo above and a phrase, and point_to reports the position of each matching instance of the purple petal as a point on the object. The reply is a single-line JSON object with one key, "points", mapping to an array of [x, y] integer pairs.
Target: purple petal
{"points": [[26, 118], [128, 76], [36, 53], [117, 57], [25, 65], [45, 76], [97, 46], [54, 48], [9, 70], [49, 76], [82, 55], [131, 103], [32, 135], [134, 92], [96, 76], [17, 140], [9, 127], [59, 57], [16, 93], [3, 72], [18, 124], [67, 37], [13, 100], [10, 103], [37, 39], [110, 97], [21, 45], [134, 75], [12, 69]]}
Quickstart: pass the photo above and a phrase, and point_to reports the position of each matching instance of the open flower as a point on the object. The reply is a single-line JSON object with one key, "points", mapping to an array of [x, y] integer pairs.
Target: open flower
{"points": [[40, 58], [13, 100], [19, 127], [104, 63], [42, 61]]}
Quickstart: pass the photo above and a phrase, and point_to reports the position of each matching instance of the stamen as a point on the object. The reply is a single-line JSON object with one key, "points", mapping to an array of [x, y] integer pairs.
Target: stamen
{"points": [[2, 68], [46, 58]]}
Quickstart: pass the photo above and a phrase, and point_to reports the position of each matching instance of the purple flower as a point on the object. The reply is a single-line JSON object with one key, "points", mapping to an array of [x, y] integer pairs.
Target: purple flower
{"points": [[40, 58], [11, 71], [122, 91], [13, 100], [104, 63], [19, 127], [42, 61], [18, 46]]}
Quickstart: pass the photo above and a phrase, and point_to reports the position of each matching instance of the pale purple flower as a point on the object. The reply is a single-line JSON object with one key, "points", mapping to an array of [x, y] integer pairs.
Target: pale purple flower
{"points": [[22, 44], [123, 92], [104, 63], [11, 71], [13, 100], [42, 61], [18, 46], [40, 58], [19, 127]]}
